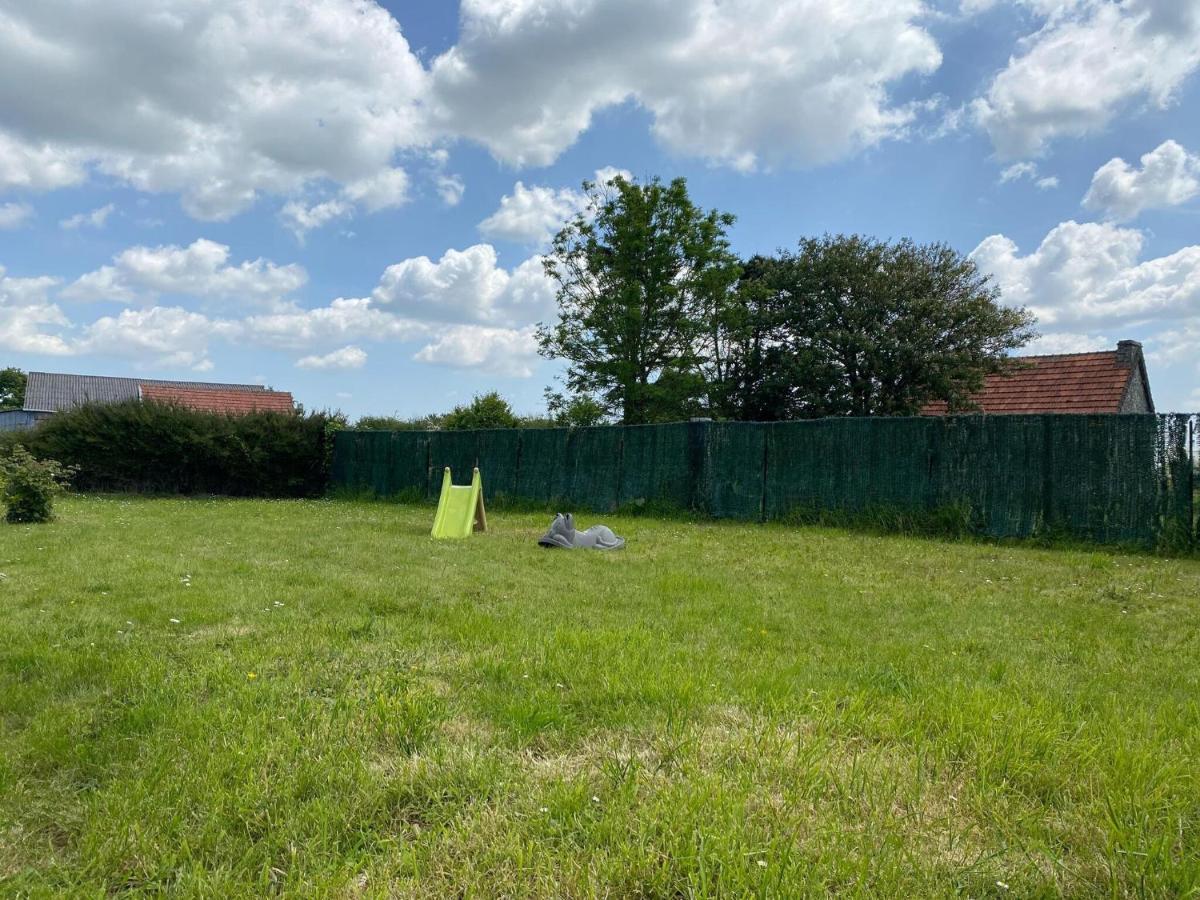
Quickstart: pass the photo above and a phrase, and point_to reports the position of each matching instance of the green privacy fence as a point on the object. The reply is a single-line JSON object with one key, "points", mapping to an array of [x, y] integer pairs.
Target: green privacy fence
{"points": [[1104, 478]]}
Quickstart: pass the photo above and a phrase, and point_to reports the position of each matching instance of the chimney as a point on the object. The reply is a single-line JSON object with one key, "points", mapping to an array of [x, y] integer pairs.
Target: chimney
{"points": [[1129, 352]]}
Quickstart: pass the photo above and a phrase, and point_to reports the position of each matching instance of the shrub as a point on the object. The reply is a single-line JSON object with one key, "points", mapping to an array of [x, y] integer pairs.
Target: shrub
{"points": [[164, 448], [30, 484]]}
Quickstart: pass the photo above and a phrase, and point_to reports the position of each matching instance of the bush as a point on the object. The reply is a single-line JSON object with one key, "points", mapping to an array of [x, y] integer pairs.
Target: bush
{"points": [[30, 484], [164, 448]]}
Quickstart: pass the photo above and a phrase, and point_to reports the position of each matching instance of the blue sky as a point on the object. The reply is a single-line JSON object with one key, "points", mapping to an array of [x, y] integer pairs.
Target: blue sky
{"points": [[347, 200]]}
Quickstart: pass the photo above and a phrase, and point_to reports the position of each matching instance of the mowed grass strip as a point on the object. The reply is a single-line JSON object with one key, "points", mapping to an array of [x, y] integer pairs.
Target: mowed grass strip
{"points": [[237, 698]]}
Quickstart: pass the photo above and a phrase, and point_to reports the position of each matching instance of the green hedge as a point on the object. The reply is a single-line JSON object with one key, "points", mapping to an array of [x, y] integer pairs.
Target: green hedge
{"points": [[162, 448]]}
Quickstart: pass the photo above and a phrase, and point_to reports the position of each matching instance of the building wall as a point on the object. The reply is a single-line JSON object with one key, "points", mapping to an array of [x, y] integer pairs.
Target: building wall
{"points": [[19, 419], [1134, 400]]}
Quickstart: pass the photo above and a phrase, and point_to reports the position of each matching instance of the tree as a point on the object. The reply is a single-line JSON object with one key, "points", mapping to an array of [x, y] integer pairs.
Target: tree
{"points": [[485, 411], [638, 274], [848, 325], [12, 388], [579, 411]]}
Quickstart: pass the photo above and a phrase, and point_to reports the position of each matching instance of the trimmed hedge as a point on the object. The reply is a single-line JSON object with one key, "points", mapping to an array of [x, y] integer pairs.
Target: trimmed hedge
{"points": [[164, 448]]}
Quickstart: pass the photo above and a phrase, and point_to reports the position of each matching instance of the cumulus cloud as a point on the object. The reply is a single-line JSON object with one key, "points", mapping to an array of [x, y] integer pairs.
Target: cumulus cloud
{"points": [[386, 190], [533, 215], [220, 100], [1067, 342], [1027, 170], [450, 188], [497, 351], [345, 319], [807, 84], [466, 286], [1090, 60], [467, 310], [94, 219], [29, 322], [37, 166], [1168, 176], [167, 336], [350, 357], [14, 215], [202, 270], [1090, 274], [300, 219]]}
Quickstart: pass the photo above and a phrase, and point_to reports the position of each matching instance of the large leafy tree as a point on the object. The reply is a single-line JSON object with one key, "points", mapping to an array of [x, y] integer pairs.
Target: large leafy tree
{"points": [[639, 274], [488, 410], [849, 325], [12, 388]]}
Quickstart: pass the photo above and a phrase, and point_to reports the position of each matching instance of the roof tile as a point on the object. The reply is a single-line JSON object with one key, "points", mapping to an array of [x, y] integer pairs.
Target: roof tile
{"points": [[233, 402], [1070, 383]]}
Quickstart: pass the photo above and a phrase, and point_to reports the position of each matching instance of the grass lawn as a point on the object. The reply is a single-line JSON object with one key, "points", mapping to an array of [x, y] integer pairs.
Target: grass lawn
{"points": [[234, 698]]}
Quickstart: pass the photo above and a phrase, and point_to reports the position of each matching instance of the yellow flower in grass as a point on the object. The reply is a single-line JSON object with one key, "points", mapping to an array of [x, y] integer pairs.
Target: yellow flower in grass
{"points": [[251, 675]]}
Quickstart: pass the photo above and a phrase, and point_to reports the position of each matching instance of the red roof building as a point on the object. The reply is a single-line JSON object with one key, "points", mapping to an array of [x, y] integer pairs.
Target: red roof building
{"points": [[218, 400], [1108, 381]]}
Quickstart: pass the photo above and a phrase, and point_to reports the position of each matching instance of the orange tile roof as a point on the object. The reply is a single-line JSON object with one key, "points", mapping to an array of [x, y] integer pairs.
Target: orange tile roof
{"points": [[219, 400], [1069, 383]]}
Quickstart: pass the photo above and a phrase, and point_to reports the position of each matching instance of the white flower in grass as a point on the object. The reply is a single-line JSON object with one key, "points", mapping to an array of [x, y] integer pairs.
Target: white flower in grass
{"points": [[544, 809], [762, 863]]}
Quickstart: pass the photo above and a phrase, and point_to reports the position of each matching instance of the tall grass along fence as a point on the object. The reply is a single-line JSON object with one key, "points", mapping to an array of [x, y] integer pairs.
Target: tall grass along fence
{"points": [[1110, 479]]}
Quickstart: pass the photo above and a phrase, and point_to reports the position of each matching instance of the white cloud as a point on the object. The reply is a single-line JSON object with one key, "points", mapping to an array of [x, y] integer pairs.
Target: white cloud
{"points": [[466, 286], [345, 319], [162, 336], [533, 215], [498, 351], [14, 215], [450, 188], [25, 311], [1067, 342], [220, 100], [1027, 170], [1169, 176], [300, 219], [1090, 274], [199, 270], [37, 166], [807, 82], [386, 189], [1092, 59], [349, 357], [94, 219], [1017, 171]]}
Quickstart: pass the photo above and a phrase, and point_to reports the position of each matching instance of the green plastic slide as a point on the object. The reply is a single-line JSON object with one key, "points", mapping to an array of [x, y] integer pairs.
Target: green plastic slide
{"points": [[460, 509]]}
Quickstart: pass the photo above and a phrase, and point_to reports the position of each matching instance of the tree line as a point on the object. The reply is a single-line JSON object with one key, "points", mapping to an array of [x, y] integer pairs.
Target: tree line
{"points": [[659, 320]]}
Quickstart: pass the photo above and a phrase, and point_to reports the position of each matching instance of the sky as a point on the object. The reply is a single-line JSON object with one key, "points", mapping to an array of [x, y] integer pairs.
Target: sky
{"points": [[348, 199]]}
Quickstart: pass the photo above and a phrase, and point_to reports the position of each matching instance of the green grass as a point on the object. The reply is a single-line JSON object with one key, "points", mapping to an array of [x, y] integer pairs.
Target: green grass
{"points": [[347, 708]]}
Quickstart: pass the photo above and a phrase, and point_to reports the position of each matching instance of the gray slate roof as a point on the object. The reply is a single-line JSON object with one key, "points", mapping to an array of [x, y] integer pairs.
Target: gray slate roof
{"points": [[54, 391]]}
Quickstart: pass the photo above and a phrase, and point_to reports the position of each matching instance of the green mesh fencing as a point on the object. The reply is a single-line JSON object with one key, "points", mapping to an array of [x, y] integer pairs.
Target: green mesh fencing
{"points": [[457, 449], [409, 463], [849, 465], [1103, 478], [542, 473], [594, 467], [656, 465], [731, 456], [499, 452], [343, 470]]}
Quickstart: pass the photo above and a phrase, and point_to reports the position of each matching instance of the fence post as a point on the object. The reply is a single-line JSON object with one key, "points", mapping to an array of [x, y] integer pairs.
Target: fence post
{"points": [[699, 467]]}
